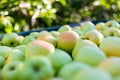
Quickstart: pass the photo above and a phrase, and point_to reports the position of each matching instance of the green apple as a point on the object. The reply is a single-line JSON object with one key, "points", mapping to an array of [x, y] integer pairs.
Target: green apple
{"points": [[55, 34], [101, 27], [20, 37], [64, 28], [113, 23], [111, 32], [34, 34], [55, 78], [116, 78], [80, 44], [37, 68], [92, 74], [67, 40], [87, 26], [110, 45], [20, 47], [4, 50], [46, 36], [111, 65], [58, 59], [10, 39], [69, 70], [76, 28], [2, 61], [15, 55], [90, 55], [94, 36], [38, 48], [12, 71], [27, 39]]}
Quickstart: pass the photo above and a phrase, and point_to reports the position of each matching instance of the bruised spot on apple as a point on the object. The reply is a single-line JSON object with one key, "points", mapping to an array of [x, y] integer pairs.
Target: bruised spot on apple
{"points": [[38, 48], [67, 40]]}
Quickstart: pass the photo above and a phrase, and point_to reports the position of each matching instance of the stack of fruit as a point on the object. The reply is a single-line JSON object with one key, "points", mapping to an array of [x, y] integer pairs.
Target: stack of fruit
{"points": [[86, 52]]}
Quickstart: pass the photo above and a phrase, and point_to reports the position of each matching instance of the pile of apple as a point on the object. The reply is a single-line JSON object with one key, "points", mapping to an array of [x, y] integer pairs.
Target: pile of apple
{"points": [[86, 52]]}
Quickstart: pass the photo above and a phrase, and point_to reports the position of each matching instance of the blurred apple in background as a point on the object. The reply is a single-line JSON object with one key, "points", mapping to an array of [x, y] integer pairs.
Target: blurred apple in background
{"points": [[38, 48], [64, 28], [67, 40], [94, 36]]}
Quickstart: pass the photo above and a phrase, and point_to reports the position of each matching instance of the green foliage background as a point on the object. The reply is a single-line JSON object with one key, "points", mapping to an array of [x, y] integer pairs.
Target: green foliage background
{"points": [[23, 15]]}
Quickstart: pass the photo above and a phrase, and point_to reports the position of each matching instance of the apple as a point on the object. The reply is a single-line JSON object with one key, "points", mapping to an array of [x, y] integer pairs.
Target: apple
{"points": [[34, 34], [112, 32], [12, 70], [92, 74], [87, 26], [110, 45], [80, 44], [20, 47], [37, 68], [69, 70], [38, 48], [2, 61], [27, 39], [113, 23], [20, 37], [4, 50], [101, 27], [15, 55], [111, 65], [64, 28], [90, 55], [10, 39], [94, 36], [55, 34], [67, 40], [46, 36], [58, 59]]}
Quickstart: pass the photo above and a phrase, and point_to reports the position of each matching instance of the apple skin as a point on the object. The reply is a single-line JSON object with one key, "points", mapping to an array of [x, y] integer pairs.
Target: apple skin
{"points": [[27, 39], [2, 62], [101, 27], [21, 48], [64, 28], [4, 50], [90, 55], [12, 71], [34, 34], [67, 40], [10, 39], [92, 74], [110, 45], [80, 44], [111, 65], [55, 34], [113, 23], [69, 70], [58, 59], [37, 68], [94, 36], [111, 32], [38, 48], [87, 26]]}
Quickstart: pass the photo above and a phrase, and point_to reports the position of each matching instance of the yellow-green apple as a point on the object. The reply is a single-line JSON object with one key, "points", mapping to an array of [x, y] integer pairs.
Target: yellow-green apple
{"points": [[101, 27], [20, 47], [87, 26], [110, 45], [90, 55], [111, 32], [20, 37], [113, 23], [76, 28], [27, 39], [12, 71], [15, 55], [64, 28], [37, 68], [55, 34], [46, 36], [2, 61], [4, 50], [34, 34], [67, 40], [69, 70], [38, 48], [92, 74], [111, 65], [116, 78], [10, 39], [58, 59], [94, 36], [80, 44]]}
